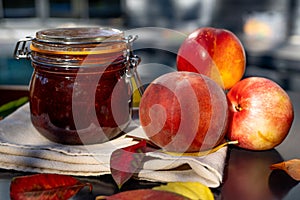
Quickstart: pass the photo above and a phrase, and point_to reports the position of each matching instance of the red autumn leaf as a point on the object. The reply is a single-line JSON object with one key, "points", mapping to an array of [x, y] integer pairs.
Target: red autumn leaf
{"points": [[127, 161], [45, 186]]}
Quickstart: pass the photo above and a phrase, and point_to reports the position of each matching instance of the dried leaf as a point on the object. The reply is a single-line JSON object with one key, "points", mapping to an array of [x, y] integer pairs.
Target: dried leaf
{"points": [[202, 153], [191, 190], [199, 153], [127, 161], [45, 186], [145, 194], [291, 167]]}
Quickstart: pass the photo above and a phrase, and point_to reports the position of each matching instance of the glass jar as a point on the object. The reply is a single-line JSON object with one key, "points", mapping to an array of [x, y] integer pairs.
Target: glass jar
{"points": [[81, 87]]}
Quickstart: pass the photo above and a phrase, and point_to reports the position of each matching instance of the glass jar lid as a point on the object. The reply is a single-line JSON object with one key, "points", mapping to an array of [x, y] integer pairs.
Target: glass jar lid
{"points": [[79, 41], [83, 35]]}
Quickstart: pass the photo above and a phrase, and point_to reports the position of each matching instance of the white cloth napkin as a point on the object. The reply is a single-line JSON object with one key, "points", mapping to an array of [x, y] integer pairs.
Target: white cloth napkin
{"points": [[22, 148]]}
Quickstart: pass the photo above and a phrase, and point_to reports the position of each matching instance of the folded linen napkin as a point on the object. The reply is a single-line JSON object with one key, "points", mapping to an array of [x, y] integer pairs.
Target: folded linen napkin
{"points": [[22, 148]]}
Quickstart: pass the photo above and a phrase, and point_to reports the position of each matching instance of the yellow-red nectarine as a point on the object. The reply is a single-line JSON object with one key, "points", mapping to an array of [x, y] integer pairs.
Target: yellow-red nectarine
{"points": [[217, 53]]}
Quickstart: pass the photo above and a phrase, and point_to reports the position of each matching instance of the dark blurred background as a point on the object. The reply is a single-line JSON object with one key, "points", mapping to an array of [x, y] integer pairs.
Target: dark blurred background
{"points": [[269, 30]]}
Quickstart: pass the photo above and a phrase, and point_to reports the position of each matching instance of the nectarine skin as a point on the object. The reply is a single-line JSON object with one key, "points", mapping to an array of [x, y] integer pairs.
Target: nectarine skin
{"points": [[184, 112], [217, 53], [261, 113]]}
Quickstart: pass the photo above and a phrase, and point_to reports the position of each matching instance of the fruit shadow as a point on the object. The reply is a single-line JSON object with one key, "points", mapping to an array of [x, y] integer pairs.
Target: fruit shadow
{"points": [[281, 183]]}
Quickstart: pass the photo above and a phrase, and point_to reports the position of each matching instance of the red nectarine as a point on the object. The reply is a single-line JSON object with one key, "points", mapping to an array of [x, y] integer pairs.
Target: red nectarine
{"points": [[184, 112]]}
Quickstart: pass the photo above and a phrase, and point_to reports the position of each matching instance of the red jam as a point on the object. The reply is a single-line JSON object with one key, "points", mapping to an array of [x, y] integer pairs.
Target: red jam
{"points": [[79, 91]]}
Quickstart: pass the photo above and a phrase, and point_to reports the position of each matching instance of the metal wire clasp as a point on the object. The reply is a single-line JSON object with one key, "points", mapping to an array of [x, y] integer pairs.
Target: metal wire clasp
{"points": [[21, 48], [133, 61]]}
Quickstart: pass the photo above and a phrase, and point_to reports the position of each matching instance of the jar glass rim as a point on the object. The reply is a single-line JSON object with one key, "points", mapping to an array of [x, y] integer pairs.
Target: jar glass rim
{"points": [[80, 35], [80, 41]]}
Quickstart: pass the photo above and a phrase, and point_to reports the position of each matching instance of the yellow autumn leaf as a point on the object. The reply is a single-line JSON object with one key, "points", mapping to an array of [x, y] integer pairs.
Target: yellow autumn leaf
{"points": [[202, 153], [192, 190], [291, 167], [136, 94]]}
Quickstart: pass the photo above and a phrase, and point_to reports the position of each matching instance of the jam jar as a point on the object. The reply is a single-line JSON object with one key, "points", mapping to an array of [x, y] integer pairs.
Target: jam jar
{"points": [[81, 86]]}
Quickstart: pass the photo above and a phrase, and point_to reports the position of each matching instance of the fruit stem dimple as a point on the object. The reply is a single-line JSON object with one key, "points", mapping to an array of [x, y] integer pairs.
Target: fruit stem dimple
{"points": [[238, 108]]}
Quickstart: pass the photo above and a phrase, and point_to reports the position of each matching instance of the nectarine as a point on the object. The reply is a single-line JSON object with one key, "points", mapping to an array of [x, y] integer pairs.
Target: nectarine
{"points": [[261, 113], [217, 53], [184, 112]]}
